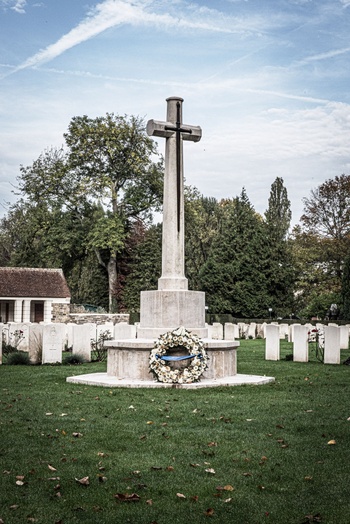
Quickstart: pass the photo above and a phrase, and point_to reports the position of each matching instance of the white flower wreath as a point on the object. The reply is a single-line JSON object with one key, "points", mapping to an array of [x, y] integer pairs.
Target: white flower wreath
{"points": [[159, 361]]}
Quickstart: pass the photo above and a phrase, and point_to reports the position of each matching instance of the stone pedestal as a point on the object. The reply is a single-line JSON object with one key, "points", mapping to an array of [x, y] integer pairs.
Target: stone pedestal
{"points": [[166, 310]]}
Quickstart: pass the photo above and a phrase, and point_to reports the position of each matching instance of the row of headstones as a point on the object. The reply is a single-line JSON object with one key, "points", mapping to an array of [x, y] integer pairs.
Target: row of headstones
{"points": [[46, 342], [230, 331], [332, 338]]}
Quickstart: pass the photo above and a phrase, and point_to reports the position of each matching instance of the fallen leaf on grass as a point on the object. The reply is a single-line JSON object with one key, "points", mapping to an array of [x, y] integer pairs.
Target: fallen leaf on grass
{"points": [[247, 474], [308, 477], [212, 444], [20, 477], [227, 500], [180, 495], [312, 518], [149, 502], [169, 468], [210, 470], [149, 422], [127, 497], [331, 442], [195, 498], [19, 483], [228, 487], [14, 506], [83, 481], [48, 414], [51, 468], [77, 435], [209, 512]]}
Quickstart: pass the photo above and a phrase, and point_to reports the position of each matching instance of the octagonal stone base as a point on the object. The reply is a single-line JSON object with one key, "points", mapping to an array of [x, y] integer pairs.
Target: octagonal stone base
{"points": [[129, 359]]}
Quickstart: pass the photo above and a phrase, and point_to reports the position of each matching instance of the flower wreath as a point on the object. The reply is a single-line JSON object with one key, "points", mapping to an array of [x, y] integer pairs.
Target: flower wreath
{"points": [[159, 360]]}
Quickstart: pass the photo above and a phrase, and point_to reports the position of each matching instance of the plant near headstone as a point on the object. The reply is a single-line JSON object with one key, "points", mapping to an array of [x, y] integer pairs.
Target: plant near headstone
{"points": [[98, 345], [18, 358], [316, 343], [13, 341]]}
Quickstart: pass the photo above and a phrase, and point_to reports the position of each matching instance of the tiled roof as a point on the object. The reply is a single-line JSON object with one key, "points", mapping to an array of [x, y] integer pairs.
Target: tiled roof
{"points": [[28, 282]]}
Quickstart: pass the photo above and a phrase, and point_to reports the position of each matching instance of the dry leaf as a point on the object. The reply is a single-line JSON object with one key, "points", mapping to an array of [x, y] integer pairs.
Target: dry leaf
{"points": [[83, 481], [20, 477], [229, 488], [51, 468], [100, 454], [149, 502], [331, 442], [195, 498], [210, 470], [14, 506], [209, 512], [77, 435], [195, 465], [180, 495], [212, 444], [126, 497], [19, 483], [48, 414], [149, 422], [247, 474], [227, 500], [169, 468], [307, 478]]}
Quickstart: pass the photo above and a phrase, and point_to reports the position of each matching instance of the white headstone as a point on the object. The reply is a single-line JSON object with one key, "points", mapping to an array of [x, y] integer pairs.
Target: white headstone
{"points": [[331, 345], [24, 329], [252, 330], [284, 331], [82, 335], [123, 330], [231, 331], [36, 342], [272, 342], [53, 341], [216, 331], [102, 328], [300, 343], [344, 337], [291, 332], [1, 330]]}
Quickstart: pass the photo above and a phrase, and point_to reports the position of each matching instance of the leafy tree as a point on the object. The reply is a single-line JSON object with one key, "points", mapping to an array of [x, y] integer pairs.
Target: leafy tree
{"points": [[145, 267], [202, 215], [280, 271], [106, 175], [327, 215], [321, 244]]}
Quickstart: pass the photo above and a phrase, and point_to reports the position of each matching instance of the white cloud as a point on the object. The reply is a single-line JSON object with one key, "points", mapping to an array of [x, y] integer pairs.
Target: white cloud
{"points": [[15, 5], [112, 13]]}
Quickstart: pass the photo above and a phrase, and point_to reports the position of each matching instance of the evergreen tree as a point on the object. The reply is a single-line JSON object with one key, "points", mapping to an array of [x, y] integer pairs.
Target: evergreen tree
{"points": [[280, 272], [234, 275], [345, 290]]}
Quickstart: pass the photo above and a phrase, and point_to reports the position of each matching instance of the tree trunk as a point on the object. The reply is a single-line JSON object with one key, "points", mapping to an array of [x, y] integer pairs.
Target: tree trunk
{"points": [[112, 283]]}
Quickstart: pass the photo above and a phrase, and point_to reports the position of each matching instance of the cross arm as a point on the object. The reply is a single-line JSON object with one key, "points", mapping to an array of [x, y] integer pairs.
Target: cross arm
{"points": [[167, 129]]}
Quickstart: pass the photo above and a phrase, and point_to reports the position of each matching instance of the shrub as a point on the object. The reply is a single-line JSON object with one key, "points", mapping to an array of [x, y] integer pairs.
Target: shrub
{"points": [[73, 360], [18, 358]]}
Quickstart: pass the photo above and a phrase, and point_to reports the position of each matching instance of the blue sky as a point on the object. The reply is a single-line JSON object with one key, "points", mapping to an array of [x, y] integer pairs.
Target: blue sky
{"points": [[267, 80]]}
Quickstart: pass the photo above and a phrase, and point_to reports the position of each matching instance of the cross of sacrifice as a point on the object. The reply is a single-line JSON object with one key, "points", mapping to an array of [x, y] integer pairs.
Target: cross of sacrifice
{"points": [[174, 132]]}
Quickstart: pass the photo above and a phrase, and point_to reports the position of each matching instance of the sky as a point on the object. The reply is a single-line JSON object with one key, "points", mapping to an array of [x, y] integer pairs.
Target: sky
{"points": [[267, 81]]}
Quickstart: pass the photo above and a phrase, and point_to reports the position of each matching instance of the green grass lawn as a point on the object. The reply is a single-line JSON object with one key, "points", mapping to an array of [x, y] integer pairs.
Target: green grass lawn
{"points": [[247, 454]]}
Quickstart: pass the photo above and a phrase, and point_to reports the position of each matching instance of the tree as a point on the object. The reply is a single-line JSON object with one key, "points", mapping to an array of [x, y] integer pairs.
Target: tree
{"points": [[233, 276], [202, 222], [345, 290], [321, 244], [327, 215], [280, 271], [107, 173]]}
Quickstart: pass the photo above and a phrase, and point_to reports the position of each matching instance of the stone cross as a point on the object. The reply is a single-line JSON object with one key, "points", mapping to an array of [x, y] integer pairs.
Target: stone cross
{"points": [[173, 252]]}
